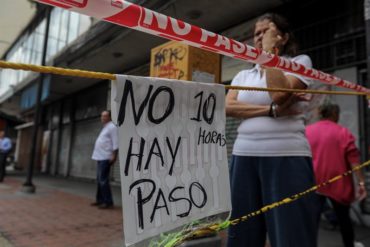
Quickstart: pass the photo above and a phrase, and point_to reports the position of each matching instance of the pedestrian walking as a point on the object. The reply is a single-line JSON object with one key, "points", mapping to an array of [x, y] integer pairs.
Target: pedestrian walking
{"points": [[5, 147], [271, 156], [334, 152]]}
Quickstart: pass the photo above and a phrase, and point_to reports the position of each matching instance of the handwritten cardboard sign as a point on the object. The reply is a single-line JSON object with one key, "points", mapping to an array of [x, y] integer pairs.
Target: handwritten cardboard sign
{"points": [[172, 153]]}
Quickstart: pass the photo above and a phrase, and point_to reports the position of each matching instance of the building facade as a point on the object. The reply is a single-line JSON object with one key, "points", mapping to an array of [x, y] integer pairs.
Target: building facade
{"points": [[332, 33]]}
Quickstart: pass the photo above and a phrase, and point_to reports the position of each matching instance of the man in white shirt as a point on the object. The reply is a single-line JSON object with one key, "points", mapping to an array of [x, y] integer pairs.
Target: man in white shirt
{"points": [[105, 153], [5, 147]]}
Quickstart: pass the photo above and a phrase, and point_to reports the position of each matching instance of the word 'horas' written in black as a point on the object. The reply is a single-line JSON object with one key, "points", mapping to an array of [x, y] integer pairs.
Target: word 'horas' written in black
{"points": [[211, 137]]}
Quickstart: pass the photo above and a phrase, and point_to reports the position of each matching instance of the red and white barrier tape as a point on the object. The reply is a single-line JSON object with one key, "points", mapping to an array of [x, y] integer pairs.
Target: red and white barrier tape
{"points": [[136, 17]]}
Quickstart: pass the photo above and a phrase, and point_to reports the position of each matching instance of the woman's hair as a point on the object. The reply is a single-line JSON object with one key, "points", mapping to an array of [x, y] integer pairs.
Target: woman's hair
{"points": [[282, 24], [328, 110]]}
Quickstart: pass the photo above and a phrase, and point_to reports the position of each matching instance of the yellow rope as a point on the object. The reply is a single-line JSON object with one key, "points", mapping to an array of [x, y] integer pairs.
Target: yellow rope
{"points": [[297, 196], [216, 227], [295, 90], [56, 70], [108, 76]]}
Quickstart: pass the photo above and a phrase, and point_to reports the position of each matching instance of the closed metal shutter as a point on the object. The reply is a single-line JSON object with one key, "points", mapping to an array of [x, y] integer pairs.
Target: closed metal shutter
{"points": [[85, 134], [63, 151]]}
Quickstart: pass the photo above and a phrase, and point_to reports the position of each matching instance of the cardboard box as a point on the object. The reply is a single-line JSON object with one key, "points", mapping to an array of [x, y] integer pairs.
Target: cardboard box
{"points": [[175, 60]]}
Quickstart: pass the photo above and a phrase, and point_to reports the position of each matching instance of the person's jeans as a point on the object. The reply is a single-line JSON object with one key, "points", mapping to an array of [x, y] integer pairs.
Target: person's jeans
{"points": [[2, 165], [103, 194], [259, 181], [344, 220]]}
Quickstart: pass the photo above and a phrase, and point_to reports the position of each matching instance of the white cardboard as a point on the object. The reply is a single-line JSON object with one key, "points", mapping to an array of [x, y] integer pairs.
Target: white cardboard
{"points": [[200, 176]]}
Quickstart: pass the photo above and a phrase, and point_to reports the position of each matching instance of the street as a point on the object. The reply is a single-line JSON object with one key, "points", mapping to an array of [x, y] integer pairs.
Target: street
{"points": [[59, 215]]}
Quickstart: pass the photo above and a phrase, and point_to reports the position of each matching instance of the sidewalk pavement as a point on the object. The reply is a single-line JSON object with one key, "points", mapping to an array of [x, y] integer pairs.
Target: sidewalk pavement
{"points": [[59, 215]]}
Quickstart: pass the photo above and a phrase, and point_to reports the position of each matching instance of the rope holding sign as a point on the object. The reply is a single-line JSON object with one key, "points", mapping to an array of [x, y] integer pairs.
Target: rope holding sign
{"points": [[107, 76]]}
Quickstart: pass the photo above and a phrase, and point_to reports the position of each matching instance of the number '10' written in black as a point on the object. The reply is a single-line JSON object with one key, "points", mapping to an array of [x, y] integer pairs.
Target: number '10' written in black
{"points": [[150, 99]]}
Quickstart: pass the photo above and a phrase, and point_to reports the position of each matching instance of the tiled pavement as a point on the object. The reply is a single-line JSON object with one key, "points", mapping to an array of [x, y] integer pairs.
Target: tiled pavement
{"points": [[54, 218], [59, 215]]}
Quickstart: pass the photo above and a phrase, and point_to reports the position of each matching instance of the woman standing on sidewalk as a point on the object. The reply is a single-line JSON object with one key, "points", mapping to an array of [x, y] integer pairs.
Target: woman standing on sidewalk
{"points": [[271, 156]]}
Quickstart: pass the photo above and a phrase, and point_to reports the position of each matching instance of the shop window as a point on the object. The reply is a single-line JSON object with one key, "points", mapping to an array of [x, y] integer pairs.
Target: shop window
{"points": [[65, 27], [27, 49]]}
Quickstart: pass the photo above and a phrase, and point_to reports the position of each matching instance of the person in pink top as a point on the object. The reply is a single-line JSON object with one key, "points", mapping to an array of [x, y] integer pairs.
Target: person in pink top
{"points": [[334, 152]]}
